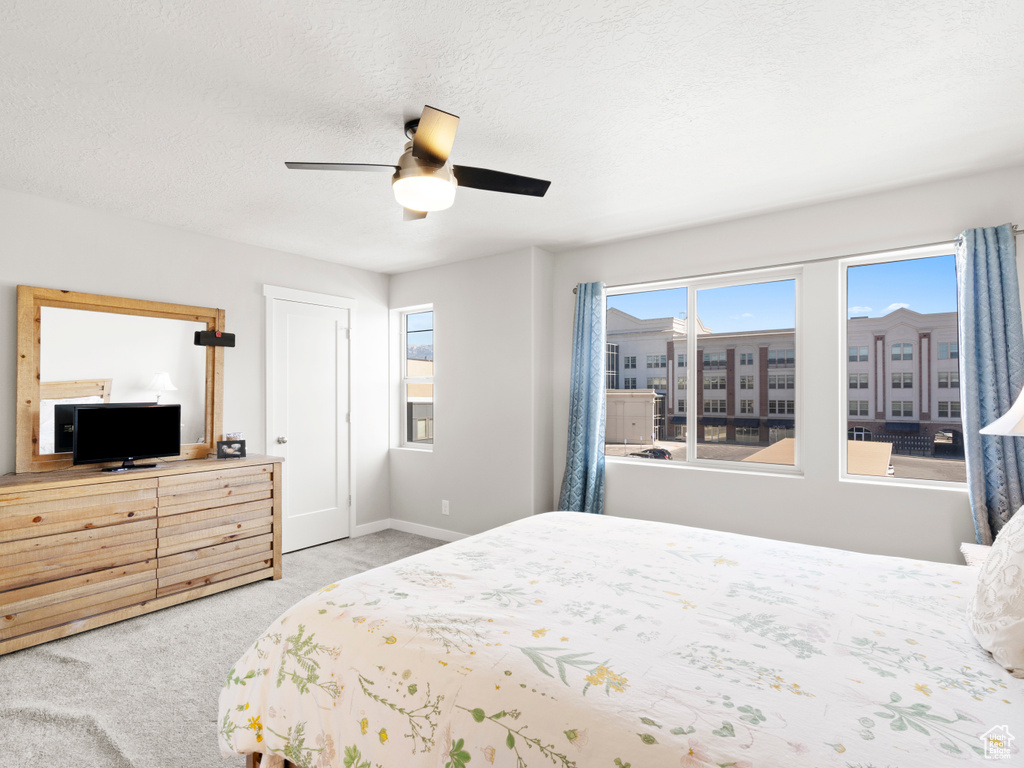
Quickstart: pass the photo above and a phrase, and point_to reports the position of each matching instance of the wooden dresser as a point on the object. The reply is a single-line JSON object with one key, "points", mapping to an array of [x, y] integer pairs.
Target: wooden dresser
{"points": [[82, 548]]}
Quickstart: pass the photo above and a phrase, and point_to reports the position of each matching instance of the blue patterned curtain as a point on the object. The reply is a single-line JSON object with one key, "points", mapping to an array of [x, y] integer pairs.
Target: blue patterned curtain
{"points": [[991, 372], [583, 483]]}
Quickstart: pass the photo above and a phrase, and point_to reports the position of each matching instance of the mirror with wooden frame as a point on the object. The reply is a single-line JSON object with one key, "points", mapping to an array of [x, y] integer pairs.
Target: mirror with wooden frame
{"points": [[81, 348]]}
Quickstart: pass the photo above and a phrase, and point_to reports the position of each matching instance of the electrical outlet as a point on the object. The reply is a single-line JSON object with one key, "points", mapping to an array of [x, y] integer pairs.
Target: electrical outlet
{"points": [[444, 506]]}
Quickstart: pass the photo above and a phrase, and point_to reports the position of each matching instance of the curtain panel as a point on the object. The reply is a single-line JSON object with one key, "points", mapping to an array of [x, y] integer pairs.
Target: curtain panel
{"points": [[991, 372], [583, 482]]}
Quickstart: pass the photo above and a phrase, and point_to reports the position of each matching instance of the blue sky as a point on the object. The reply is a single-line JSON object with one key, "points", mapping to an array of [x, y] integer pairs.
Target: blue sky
{"points": [[923, 285]]}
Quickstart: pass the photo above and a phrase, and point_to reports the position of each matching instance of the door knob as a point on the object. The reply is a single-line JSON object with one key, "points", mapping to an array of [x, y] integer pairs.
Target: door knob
{"points": [[282, 440]]}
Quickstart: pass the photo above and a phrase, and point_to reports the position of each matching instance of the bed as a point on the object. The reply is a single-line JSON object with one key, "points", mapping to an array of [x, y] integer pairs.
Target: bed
{"points": [[579, 640]]}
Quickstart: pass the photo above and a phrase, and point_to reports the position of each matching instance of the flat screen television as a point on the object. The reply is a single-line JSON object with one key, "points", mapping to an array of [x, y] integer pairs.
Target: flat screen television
{"points": [[64, 423], [125, 432]]}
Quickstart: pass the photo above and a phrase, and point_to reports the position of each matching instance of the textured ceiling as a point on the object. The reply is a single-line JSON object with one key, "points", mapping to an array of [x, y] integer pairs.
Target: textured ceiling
{"points": [[645, 115]]}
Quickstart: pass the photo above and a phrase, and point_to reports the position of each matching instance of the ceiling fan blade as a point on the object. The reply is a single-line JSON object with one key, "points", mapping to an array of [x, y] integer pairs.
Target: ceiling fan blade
{"points": [[434, 136], [496, 181], [411, 215], [342, 167]]}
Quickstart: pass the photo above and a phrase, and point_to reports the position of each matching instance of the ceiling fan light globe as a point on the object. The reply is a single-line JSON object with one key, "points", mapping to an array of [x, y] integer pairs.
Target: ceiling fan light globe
{"points": [[424, 193]]}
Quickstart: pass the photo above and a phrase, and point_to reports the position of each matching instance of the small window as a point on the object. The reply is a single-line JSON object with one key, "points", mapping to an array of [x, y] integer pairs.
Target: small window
{"points": [[858, 408], [746, 406], [746, 358], [903, 381], [949, 409], [656, 382], [902, 351], [857, 354], [714, 406], [680, 382], [714, 359], [949, 350], [748, 435], [656, 361], [629, 383], [418, 376], [858, 381], [681, 406], [902, 408], [781, 407], [629, 363], [781, 358], [746, 382], [682, 360], [714, 382]]}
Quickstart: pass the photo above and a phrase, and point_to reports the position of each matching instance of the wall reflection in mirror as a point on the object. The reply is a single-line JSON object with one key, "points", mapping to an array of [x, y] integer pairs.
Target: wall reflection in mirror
{"points": [[105, 357]]}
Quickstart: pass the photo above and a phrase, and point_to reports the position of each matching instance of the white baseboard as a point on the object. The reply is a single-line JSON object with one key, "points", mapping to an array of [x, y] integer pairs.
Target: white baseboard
{"points": [[426, 530], [365, 528]]}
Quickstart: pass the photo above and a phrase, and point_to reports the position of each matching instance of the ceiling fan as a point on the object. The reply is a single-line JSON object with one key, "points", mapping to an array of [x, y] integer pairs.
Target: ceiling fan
{"points": [[423, 180]]}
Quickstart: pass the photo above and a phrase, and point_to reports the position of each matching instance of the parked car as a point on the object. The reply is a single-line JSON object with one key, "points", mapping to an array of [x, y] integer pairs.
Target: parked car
{"points": [[654, 453]]}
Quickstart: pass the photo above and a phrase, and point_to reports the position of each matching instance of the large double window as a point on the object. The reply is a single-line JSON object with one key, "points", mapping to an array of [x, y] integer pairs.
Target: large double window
{"points": [[736, 330]]}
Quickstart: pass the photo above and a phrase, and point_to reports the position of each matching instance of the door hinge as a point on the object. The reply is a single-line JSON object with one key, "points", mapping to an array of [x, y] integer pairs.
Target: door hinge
{"points": [[350, 501]]}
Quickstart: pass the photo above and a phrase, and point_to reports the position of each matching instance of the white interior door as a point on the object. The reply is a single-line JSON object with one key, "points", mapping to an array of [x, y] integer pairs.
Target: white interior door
{"points": [[309, 420]]}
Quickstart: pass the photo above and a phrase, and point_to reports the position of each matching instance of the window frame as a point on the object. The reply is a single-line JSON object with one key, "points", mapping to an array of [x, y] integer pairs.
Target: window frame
{"points": [[404, 379], [879, 257], [734, 279]]}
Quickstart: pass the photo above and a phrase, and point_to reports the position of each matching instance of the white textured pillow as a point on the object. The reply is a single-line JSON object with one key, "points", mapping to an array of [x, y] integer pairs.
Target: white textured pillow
{"points": [[975, 554], [996, 614]]}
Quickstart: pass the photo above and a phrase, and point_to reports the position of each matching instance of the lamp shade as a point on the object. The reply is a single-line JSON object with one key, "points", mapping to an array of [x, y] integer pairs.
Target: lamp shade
{"points": [[1010, 423], [162, 383]]}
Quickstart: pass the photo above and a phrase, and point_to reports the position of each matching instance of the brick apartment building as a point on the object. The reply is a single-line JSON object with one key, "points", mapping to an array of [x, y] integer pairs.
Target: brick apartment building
{"points": [[903, 379]]}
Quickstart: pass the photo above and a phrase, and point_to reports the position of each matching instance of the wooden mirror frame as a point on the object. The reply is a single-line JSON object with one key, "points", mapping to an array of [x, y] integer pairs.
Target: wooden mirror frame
{"points": [[30, 303]]}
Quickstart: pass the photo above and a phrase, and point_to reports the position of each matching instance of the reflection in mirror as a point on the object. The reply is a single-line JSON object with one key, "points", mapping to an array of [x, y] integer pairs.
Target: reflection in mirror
{"points": [[95, 357]]}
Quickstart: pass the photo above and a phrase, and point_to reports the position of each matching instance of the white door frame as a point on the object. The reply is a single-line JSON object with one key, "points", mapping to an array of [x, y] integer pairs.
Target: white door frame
{"points": [[272, 292]]}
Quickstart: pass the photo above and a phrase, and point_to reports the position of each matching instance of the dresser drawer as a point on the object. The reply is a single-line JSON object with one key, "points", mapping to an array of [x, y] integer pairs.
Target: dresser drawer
{"points": [[48, 558], [41, 606], [219, 479], [33, 514]]}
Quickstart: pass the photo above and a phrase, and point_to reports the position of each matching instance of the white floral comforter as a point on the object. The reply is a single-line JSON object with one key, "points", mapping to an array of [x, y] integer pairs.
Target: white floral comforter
{"points": [[580, 640]]}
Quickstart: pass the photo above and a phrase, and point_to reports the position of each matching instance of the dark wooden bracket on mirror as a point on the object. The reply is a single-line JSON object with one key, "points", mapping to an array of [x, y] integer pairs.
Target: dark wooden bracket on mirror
{"points": [[30, 303]]}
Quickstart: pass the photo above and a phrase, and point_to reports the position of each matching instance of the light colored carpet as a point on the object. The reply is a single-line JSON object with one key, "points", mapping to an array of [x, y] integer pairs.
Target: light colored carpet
{"points": [[143, 693]]}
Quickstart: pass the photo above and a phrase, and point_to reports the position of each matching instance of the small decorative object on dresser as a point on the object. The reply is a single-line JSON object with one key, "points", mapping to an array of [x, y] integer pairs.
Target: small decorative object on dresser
{"points": [[81, 548], [231, 449]]}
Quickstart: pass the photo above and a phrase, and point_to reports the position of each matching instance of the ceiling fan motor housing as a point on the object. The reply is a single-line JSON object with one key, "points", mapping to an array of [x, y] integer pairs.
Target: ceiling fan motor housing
{"points": [[423, 186]]}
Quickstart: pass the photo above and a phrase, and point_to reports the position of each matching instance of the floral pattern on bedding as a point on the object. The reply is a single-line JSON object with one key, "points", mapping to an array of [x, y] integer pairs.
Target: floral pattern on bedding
{"points": [[579, 640]]}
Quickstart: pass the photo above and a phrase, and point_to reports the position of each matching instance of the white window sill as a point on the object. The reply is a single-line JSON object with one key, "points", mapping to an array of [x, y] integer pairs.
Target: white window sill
{"points": [[930, 485], [414, 448], [710, 465]]}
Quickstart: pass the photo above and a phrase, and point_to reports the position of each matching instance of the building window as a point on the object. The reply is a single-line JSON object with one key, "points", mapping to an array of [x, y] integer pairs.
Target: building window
{"points": [[714, 359], [858, 381], [681, 360], [748, 435], [746, 406], [681, 407], [714, 406], [611, 366], [628, 363], [714, 382], [656, 361], [949, 409], [418, 376], [781, 407], [780, 358], [746, 358], [902, 351], [858, 408], [902, 408], [781, 380], [877, 287], [714, 433], [680, 382], [857, 354], [746, 382], [859, 433], [629, 383], [656, 382]]}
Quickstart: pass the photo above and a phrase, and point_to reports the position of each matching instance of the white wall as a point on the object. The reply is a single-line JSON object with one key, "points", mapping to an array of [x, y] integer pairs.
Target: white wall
{"points": [[817, 508], [54, 245], [491, 457]]}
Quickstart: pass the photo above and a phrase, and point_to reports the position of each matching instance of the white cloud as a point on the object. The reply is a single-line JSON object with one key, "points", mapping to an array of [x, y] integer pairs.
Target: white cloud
{"points": [[894, 307], [741, 317], [860, 310], [747, 314]]}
